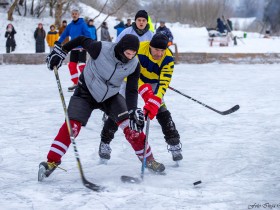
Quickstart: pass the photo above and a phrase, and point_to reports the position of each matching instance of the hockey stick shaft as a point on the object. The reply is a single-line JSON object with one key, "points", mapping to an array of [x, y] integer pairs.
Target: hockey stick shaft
{"points": [[145, 148], [229, 111], [135, 180], [72, 137]]}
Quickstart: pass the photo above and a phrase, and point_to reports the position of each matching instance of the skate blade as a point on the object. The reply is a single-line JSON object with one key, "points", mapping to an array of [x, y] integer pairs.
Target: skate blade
{"points": [[41, 173], [176, 165], [103, 161], [156, 172]]}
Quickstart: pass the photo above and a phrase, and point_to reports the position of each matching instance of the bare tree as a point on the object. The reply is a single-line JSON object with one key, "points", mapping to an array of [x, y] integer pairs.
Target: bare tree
{"points": [[32, 8], [21, 2], [25, 8], [101, 10], [11, 10], [52, 5], [61, 7], [114, 9], [272, 16], [198, 13], [40, 8]]}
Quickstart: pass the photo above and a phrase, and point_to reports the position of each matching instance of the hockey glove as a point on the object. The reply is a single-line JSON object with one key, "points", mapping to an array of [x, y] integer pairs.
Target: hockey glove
{"points": [[136, 120], [151, 106], [146, 91], [56, 57]]}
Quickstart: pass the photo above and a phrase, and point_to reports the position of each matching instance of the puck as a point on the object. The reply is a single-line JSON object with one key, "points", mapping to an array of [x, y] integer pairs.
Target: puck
{"points": [[197, 182]]}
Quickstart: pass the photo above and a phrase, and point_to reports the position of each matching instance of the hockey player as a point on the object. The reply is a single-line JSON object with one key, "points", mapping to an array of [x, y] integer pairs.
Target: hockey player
{"points": [[98, 88], [77, 27], [156, 63], [139, 28]]}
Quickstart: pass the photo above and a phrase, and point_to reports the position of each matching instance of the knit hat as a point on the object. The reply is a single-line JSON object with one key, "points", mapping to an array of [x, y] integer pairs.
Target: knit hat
{"points": [[141, 13], [127, 42], [159, 41]]}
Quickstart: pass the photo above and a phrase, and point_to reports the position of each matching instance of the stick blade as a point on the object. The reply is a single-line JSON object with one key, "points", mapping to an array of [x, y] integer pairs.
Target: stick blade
{"points": [[231, 110], [131, 180], [92, 186]]}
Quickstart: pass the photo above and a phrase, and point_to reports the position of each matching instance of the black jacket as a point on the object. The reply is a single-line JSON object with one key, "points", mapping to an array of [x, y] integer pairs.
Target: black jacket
{"points": [[10, 38]]}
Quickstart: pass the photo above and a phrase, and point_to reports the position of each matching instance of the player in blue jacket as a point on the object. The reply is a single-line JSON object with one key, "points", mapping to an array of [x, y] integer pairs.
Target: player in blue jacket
{"points": [[77, 27]]}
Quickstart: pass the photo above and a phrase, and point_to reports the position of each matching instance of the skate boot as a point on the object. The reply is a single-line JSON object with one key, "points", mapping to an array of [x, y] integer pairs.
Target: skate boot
{"points": [[155, 166], [104, 152], [46, 169], [72, 88], [176, 151]]}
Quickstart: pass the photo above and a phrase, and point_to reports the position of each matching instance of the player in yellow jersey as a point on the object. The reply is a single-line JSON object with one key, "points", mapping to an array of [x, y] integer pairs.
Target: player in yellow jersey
{"points": [[156, 69]]}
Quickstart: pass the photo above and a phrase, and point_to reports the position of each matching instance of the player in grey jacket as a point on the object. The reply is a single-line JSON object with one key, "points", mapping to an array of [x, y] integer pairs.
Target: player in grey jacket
{"points": [[139, 28], [98, 88]]}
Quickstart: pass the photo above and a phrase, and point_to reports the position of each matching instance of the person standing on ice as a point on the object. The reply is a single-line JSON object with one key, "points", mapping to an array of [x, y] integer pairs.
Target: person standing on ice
{"points": [[39, 36], [10, 35], [61, 29], [98, 88], [52, 37], [156, 69], [78, 55], [139, 28], [166, 31]]}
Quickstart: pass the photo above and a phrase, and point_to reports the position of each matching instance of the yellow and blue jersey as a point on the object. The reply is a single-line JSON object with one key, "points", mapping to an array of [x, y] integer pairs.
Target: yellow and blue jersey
{"points": [[155, 72]]}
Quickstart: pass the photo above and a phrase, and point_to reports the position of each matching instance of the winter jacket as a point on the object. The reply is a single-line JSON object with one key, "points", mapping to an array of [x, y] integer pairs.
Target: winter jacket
{"points": [[229, 22], [151, 25], [166, 31], [104, 73], [221, 26], [92, 31], [60, 31], [40, 36], [75, 29], [10, 35], [146, 36], [126, 25], [52, 36], [156, 72], [105, 35], [120, 27]]}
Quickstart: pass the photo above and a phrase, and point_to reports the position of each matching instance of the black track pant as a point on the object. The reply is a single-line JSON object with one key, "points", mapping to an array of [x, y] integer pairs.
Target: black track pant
{"points": [[164, 118]]}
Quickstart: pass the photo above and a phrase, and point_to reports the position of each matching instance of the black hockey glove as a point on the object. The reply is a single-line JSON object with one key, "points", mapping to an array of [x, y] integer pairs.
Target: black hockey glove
{"points": [[136, 120], [56, 57]]}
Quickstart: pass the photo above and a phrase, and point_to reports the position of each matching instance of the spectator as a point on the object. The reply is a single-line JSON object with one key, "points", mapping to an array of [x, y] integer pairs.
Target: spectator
{"points": [[229, 22], [166, 31], [128, 23], [221, 26], [92, 29], [61, 30], [78, 55], [40, 36], [105, 35], [120, 27], [52, 37], [10, 35]]}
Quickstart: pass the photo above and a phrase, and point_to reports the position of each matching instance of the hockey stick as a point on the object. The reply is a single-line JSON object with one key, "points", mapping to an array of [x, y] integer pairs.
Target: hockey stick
{"points": [[129, 179], [229, 111], [86, 183]]}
